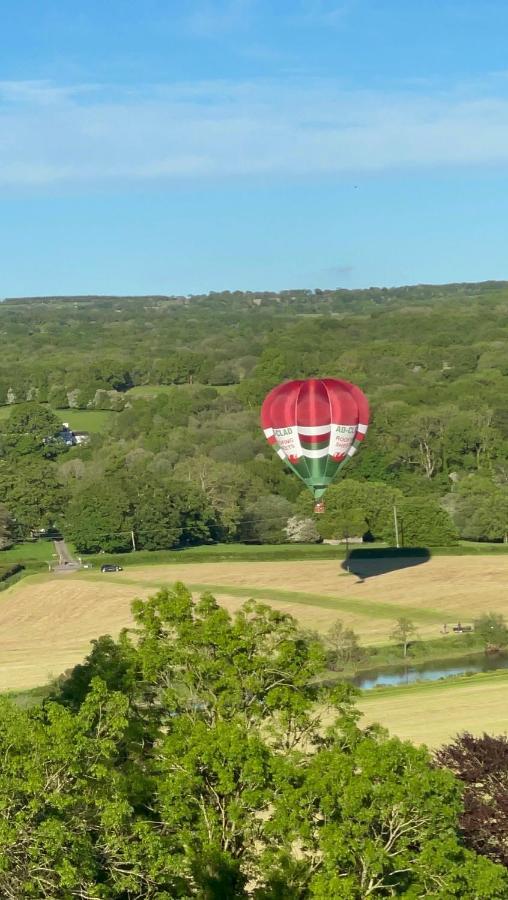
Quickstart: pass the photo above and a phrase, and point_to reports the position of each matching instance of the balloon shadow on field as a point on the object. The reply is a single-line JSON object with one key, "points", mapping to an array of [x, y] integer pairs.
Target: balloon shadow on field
{"points": [[370, 563]]}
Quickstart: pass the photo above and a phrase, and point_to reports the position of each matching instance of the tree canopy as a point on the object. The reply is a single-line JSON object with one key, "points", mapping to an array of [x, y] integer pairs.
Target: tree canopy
{"points": [[182, 380], [201, 756]]}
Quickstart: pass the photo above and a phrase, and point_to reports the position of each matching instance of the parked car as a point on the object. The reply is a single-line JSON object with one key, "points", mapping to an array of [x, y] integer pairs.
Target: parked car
{"points": [[110, 567]]}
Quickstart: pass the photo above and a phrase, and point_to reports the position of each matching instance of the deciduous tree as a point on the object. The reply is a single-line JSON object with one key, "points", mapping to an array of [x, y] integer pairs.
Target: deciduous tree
{"points": [[403, 633]]}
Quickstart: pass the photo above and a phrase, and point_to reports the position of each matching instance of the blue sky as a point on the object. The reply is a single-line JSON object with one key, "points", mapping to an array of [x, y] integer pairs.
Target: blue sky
{"points": [[180, 147]]}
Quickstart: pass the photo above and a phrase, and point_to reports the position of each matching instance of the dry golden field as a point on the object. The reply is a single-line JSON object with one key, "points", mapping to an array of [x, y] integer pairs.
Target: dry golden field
{"points": [[434, 713], [48, 621]]}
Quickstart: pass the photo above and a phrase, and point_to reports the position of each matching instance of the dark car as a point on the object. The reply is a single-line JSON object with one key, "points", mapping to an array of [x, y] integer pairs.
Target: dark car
{"points": [[110, 567]]}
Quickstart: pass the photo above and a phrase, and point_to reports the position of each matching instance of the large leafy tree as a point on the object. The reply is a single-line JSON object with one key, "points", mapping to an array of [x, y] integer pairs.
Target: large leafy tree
{"points": [[6, 527], [225, 485], [192, 760], [492, 629], [353, 508], [480, 509], [99, 517], [424, 522], [265, 520], [168, 514], [156, 518], [31, 429], [32, 493]]}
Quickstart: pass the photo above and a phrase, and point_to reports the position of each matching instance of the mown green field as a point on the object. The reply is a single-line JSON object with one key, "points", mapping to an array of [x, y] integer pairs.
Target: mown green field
{"points": [[48, 620], [151, 390], [29, 552], [220, 553], [433, 713], [268, 552], [96, 421], [33, 556]]}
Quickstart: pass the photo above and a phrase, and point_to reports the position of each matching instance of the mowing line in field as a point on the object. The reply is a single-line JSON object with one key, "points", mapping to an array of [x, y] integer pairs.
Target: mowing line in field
{"points": [[370, 608]]}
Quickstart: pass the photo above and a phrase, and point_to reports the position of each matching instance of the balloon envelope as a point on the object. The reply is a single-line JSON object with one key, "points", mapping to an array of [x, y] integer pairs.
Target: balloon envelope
{"points": [[315, 426]]}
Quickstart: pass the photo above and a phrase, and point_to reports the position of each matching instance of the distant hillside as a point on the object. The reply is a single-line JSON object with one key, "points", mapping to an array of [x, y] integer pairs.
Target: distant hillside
{"points": [[183, 380], [406, 293]]}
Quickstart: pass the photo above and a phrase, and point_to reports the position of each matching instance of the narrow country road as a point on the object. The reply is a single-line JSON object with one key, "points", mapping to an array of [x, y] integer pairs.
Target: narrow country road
{"points": [[66, 561]]}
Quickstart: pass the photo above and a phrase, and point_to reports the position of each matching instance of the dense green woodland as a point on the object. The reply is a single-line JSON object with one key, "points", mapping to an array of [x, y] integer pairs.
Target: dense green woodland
{"points": [[201, 757], [190, 464]]}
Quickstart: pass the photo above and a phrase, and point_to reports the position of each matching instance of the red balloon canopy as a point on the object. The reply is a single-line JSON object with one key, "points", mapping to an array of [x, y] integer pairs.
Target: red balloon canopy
{"points": [[315, 426]]}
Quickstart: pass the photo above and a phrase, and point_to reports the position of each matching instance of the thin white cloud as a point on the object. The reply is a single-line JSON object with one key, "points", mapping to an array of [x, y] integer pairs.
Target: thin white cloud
{"points": [[50, 133], [210, 19], [321, 13]]}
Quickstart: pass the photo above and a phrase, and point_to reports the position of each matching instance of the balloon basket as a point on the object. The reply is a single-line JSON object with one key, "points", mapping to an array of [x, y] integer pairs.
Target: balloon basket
{"points": [[319, 507]]}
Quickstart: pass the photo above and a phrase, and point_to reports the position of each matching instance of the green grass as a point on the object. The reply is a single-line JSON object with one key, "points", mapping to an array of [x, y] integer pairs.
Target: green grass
{"points": [[34, 556], [96, 421], [451, 646], [147, 391], [380, 657], [264, 553], [369, 608], [220, 553], [467, 548], [421, 688], [372, 609], [434, 712], [29, 552]]}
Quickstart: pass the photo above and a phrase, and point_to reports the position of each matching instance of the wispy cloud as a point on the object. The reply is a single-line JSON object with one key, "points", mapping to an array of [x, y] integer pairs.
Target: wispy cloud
{"points": [[211, 19], [51, 133], [321, 13]]}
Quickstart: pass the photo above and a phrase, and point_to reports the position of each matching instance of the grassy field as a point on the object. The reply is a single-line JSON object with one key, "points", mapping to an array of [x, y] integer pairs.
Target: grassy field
{"points": [[274, 552], [48, 620], [444, 590], [151, 390], [222, 552], [433, 713], [30, 552], [33, 556], [96, 421]]}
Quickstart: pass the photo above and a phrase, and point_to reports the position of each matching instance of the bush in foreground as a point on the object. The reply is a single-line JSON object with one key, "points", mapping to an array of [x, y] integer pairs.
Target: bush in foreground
{"points": [[191, 759], [481, 763]]}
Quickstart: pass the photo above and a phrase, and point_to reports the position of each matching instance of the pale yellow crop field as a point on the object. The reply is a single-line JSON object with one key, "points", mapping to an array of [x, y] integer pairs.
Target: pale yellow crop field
{"points": [[48, 621], [434, 714], [445, 589]]}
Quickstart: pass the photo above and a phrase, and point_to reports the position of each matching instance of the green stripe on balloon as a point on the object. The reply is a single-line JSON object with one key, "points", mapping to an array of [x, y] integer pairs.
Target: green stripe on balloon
{"points": [[321, 445], [317, 474]]}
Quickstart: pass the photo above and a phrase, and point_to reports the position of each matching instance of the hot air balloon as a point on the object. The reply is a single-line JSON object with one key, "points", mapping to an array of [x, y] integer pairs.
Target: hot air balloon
{"points": [[315, 426]]}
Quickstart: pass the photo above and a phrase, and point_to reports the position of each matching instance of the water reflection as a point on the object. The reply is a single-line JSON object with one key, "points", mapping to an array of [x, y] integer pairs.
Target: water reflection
{"points": [[430, 671]]}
